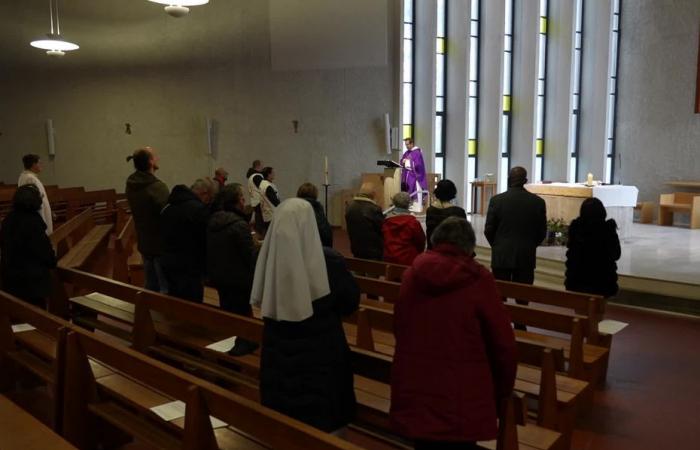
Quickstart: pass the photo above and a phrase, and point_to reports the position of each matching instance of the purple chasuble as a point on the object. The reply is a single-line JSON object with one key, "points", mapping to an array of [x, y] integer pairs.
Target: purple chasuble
{"points": [[415, 173]]}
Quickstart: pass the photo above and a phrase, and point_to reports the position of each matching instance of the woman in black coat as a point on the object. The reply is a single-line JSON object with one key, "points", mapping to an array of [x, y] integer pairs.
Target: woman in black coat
{"points": [[593, 249], [304, 290], [27, 255], [442, 208]]}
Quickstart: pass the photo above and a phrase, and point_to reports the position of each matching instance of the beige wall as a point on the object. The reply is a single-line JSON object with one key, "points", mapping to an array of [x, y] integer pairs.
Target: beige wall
{"points": [[340, 114]]}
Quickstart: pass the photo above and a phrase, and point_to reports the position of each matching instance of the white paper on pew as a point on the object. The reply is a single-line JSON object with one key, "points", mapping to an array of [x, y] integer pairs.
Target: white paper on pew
{"points": [[20, 327], [223, 346], [110, 301], [170, 411], [611, 326], [216, 423]]}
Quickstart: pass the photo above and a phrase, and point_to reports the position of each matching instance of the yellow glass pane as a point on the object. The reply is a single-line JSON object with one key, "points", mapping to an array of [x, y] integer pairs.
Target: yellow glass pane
{"points": [[543, 25], [506, 103], [539, 147], [440, 45], [407, 131], [471, 147]]}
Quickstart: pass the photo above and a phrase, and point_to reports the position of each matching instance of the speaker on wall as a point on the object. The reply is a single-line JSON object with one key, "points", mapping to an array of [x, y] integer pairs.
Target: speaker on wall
{"points": [[212, 130], [387, 133], [49, 137]]}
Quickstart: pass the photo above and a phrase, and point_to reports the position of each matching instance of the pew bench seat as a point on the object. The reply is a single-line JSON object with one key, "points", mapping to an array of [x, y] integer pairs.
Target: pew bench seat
{"points": [[19, 430], [81, 252], [376, 395]]}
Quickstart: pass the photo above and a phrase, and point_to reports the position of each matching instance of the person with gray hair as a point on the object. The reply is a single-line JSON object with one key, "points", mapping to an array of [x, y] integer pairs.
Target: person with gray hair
{"points": [[455, 358], [404, 238], [184, 225]]}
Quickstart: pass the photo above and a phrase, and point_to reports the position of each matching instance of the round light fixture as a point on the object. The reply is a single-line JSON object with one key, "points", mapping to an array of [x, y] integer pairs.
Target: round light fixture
{"points": [[53, 43], [179, 8]]}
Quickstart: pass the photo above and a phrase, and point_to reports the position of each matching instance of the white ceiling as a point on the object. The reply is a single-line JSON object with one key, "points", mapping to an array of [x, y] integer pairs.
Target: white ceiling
{"points": [[132, 32]]}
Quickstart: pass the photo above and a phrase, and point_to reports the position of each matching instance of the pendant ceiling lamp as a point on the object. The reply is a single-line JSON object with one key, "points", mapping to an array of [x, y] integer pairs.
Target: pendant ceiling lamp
{"points": [[53, 43], [179, 8]]}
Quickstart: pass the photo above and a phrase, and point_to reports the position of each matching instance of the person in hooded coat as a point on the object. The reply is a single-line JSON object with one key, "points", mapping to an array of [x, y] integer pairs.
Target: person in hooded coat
{"points": [[404, 238], [309, 192], [303, 291], [593, 249], [184, 226], [455, 358], [27, 254]]}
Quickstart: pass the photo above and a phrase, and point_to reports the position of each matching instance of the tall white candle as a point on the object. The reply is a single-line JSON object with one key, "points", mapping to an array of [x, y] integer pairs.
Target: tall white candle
{"points": [[325, 171], [590, 179]]}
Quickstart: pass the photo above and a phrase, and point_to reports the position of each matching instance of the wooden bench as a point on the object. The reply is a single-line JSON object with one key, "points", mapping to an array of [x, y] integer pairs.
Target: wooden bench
{"points": [[183, 344], [78, 241], [21, 431], [123, 248], [37, 352], [123, 399], [680, 202]]}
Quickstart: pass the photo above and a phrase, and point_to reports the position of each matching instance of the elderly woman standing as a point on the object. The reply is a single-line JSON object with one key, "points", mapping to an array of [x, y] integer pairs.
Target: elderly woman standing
{"points": [[455, 355], [404, 238], [303, 290], [27, 254]]}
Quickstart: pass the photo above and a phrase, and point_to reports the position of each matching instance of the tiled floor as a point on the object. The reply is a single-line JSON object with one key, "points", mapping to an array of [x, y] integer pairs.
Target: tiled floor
{"points": [[652, 398]]}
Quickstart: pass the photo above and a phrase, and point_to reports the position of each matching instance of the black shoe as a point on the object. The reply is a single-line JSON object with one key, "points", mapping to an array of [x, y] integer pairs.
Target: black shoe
{"points": [[243, 347]]}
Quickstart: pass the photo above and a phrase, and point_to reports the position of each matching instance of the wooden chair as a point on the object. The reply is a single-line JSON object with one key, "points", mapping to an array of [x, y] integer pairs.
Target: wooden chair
{"points": [[680, 202], [646, 212]]}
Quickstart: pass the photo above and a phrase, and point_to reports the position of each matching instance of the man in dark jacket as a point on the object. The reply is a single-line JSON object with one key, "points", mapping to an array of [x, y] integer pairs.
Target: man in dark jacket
{"points": [[364, 221], [27, 255], [516, 224], [455, 358], [147, 196], [309, 192], [231, 256], [184, 225]]}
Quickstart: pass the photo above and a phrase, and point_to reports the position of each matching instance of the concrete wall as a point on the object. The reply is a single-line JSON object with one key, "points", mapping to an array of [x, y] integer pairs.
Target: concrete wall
{"points": [[340, 114], [658, 135]]}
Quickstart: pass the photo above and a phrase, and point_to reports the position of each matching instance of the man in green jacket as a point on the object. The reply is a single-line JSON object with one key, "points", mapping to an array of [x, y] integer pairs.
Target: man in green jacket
{"points": [[147, 196]]}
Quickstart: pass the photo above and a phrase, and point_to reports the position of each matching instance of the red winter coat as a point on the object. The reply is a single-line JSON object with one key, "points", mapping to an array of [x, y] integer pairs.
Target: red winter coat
{"points": [[404, 239], [455, 350]]}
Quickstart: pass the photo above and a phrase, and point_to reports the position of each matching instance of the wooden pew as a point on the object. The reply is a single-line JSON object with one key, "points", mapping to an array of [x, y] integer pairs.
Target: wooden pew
{"points": [[184, 344], [123, 248], [79, 241], [102, 202], [21, 431], [38, 352], [119, 401], [680, 202]]}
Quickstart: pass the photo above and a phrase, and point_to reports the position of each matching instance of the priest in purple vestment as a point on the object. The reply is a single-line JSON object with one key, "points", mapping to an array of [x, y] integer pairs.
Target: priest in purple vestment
{"points": [[413, 169]]}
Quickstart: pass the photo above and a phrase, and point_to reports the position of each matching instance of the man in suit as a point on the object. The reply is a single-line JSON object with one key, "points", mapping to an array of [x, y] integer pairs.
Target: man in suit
{"points": [[516, 223]]}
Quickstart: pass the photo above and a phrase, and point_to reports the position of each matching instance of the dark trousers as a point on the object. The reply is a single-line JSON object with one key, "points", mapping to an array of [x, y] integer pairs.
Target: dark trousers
{"points": [[434, 445], [186, 286], [235, 300], [525, 276]]}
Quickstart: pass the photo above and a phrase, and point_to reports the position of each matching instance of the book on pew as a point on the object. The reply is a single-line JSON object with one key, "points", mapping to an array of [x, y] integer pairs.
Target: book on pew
{"points": [[176, 410], [20, 327], [223, 346]]}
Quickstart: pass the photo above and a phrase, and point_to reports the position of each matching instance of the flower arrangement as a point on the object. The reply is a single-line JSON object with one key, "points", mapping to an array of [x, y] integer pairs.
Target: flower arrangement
{"points": [[557, 232]]}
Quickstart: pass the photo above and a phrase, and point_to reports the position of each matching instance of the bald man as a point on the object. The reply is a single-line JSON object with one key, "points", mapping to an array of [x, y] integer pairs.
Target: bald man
{"points": [[516, 223]]}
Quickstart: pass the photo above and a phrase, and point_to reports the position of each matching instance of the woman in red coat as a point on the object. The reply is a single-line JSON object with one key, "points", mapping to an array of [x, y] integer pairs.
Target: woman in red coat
{"points": [[455, 349], [404, 238]]}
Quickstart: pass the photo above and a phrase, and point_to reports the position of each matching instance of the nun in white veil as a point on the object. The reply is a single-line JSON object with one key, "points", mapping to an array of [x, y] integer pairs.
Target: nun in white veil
{"points": [[303, 290]]}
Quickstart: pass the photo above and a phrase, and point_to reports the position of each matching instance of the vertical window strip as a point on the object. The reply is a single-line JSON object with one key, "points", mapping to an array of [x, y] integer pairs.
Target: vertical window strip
{"points": [[473, 95], [576, 93], [408, 52], [541, 92], [612, 92], [507, 94], [440, 86]]}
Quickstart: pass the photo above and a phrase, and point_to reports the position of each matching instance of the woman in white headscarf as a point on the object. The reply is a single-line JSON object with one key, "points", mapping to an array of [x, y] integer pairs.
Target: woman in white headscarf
{"points": [[303, 290]]}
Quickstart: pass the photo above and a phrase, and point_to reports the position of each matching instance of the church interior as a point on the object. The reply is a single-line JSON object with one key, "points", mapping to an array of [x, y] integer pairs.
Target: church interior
{"points": [[595, 99]]}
